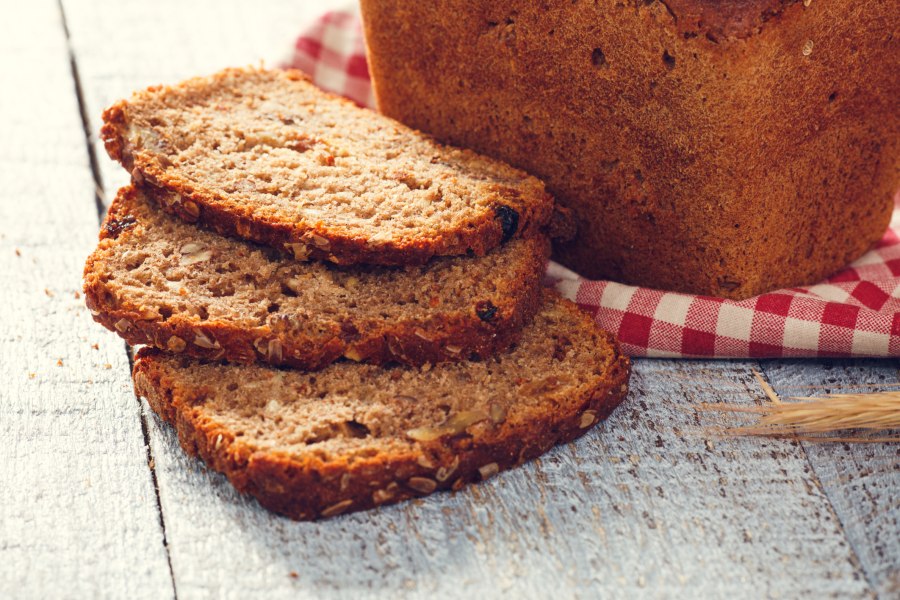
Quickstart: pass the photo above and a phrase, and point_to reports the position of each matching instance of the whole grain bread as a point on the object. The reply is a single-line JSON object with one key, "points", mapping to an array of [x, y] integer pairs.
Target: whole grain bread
{"points": [[157, 280], [267, 156], [722, 147], [354, 436]]}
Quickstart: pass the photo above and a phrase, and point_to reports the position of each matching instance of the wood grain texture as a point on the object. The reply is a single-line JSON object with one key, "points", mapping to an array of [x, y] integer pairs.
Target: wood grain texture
{"points": [[862, 481], [646, 506], [78, 512]]}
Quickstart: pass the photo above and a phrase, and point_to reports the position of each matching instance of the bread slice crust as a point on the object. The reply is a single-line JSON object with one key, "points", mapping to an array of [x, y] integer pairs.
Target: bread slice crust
{"points": [[308, 481], [293, 202], [263, 311]]}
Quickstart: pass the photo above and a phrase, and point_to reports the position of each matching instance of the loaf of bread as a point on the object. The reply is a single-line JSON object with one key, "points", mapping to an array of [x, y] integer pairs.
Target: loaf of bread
{"points": [[724, 148], [268, 156], [354, 436], [157, 280]]}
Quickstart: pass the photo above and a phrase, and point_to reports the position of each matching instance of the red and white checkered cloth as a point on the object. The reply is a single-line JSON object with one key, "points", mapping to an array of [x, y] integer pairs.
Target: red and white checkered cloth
{"points": [[854, 313]]}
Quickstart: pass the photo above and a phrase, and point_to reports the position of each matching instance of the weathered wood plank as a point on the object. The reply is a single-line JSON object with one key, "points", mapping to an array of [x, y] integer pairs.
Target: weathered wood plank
{"points": [[862, 481], [122, 47], [78, 512]]}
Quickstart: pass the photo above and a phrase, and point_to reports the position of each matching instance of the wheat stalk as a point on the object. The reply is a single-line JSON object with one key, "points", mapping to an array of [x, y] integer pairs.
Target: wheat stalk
{"points": [[868, 417]]}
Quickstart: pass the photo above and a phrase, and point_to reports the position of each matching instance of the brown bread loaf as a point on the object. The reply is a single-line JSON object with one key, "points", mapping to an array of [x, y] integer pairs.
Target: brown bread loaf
{"points": [[716, 147]]}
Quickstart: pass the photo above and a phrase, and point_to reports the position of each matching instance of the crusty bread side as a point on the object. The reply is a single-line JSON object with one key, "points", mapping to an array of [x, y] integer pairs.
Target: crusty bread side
{"points": [[716, 147], [351, 437], [157, 280], [267, 156]]}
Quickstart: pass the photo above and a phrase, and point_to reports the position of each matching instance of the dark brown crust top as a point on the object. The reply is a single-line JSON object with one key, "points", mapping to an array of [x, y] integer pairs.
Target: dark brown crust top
{"points": [[530, 205], [307, 488], [449, 337]]}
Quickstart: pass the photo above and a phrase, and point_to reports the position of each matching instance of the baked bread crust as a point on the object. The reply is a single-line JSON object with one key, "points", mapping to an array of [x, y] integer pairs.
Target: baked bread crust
{"points": [[490, 201], [487, 319], [721, 148], [719, 20], [309, 484]]}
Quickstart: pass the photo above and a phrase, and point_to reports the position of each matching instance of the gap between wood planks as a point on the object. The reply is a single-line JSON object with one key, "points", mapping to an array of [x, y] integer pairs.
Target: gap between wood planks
{"points": [[99, 201], [85, 121], [761, 375]]}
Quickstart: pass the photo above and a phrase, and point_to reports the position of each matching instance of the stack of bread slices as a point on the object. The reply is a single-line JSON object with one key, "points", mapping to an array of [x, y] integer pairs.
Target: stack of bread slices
{"points": [[338, 312]]}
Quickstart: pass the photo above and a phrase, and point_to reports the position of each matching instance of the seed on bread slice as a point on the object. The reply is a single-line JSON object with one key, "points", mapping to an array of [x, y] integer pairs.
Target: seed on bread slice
{"points": [[157, 280], [354, 436], [267, 156]]}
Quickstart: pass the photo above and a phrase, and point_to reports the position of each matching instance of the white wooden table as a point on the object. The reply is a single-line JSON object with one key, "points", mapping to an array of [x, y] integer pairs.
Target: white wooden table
{"points": [[98, 501]]}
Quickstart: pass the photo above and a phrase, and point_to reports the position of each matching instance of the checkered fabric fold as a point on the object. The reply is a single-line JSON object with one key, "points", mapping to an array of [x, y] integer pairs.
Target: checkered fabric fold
{"points": [[854, 313]]}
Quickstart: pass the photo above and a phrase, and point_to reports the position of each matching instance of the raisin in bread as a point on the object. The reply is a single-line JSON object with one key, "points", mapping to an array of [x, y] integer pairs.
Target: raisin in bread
{"points": [[267, 156], [354, 436], [157, 280]]}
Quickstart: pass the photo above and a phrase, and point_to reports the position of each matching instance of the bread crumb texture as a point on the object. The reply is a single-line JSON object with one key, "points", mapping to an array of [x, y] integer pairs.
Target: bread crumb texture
{"points": [[157, 280]]}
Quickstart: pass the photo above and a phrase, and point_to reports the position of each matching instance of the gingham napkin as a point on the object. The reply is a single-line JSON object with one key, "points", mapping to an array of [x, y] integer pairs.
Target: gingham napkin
{"points": [[854, 313]]}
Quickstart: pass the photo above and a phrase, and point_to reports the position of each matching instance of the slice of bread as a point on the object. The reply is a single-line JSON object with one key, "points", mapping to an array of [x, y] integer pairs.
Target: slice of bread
{"points": [[267, 156], [354, 436], [157, 280]]}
